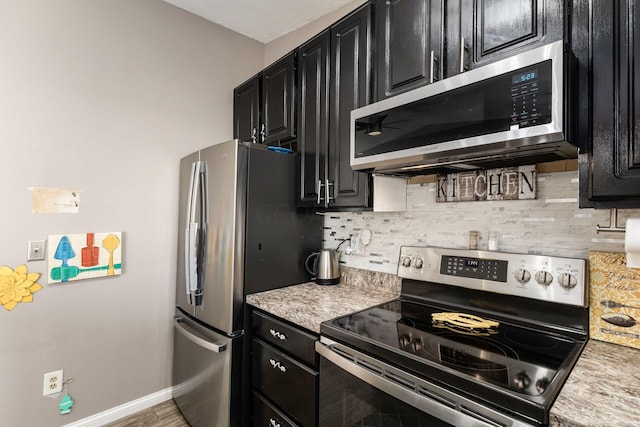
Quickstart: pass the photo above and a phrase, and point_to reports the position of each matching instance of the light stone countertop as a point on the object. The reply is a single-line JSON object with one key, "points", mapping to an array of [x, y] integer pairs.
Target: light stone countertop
{"points": [[603, 389], [308, 304]]}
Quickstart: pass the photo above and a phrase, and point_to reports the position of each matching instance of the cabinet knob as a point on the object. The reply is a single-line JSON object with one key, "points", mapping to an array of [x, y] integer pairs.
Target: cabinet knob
{"points": [[263, 133], [273, 423], [278, 334], [277, 365], [254, 133]]}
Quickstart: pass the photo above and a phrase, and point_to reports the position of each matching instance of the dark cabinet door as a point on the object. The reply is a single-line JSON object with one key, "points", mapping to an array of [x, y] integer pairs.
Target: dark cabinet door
{"points": [[312, 123], [350, 88], [483, 31], [278, 101], [610, 166], [246, 110], [409, 44], [289, 384]]}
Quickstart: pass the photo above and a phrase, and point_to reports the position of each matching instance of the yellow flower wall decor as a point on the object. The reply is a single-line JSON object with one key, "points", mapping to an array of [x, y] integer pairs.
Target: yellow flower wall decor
{"points": [[17, 286]]}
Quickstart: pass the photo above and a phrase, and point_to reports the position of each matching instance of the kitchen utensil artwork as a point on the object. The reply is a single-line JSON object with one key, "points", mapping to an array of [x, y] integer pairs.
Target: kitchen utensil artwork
{"points": [[614, 299], [84, 256]]}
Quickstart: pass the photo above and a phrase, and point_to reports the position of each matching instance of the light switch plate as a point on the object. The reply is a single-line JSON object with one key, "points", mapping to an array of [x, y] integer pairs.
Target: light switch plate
{"points": [[36, 250]]}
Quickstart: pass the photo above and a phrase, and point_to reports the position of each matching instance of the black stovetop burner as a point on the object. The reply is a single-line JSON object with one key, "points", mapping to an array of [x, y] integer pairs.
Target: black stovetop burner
{"points": [[504, 354]]}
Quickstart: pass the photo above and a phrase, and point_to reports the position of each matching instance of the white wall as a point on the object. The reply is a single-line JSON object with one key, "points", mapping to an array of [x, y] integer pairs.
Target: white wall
{"points": [[285, 44], [105, 97]]}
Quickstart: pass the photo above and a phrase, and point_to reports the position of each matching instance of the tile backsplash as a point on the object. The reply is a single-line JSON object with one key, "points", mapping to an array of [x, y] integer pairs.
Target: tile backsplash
{"points": [[552, 224]]}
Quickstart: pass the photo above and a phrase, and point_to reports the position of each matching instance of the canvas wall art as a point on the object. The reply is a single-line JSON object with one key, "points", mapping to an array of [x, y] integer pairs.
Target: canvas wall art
{"points": [[84, 256]]}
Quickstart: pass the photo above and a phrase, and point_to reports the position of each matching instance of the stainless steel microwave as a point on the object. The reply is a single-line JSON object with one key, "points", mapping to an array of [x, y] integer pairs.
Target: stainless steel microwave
{"points": [[514, 111]]}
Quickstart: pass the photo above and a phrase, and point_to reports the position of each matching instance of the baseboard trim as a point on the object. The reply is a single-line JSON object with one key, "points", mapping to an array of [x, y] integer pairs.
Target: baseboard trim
{"points": [[124, 410]]}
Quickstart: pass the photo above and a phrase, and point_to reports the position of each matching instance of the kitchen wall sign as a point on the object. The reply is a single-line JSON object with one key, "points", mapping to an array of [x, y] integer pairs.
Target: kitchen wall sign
{"points": [[614, 308], [84, 256], [512, 183]]}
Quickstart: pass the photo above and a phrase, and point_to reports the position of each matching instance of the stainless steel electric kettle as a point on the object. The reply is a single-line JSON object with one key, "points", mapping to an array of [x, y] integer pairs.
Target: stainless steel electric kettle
{"points": [[326, 266]]}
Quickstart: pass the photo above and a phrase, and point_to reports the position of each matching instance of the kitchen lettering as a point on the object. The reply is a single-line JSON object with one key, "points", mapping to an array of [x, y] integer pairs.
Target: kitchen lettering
{"points": [[515, 183]]}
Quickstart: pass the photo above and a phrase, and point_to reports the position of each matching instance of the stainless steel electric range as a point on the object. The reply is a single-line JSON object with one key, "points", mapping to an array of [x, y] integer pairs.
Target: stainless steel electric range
{"points": [[477, 338]]}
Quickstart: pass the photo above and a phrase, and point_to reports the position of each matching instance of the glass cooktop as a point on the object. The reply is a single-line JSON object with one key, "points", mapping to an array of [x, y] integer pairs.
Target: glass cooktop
{"points": [[489, 350]]}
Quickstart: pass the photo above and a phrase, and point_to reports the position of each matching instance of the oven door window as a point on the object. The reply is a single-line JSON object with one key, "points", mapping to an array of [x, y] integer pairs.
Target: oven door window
{"points": [[347, 401]]}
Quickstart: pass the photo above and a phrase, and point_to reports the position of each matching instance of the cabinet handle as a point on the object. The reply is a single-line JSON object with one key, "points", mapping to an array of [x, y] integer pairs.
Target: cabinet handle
{"points": [[278, 334], [319, 188], [463, 47], [433, 66], [273, 423], [254, 132], [329, 197], [277, 365], [263, 133]]}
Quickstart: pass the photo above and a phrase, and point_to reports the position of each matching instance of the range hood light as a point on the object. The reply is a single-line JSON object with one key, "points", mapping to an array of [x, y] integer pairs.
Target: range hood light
{"points": [[375, 129]]}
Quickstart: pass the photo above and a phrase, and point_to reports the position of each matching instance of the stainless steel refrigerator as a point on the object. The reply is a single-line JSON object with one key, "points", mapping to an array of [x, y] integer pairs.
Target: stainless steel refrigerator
{"points": [[239, 233]]}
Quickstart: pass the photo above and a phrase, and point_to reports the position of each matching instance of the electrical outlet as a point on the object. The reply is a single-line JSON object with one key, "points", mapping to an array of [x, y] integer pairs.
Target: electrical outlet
{"points": [[36, 250], [52, 383]]}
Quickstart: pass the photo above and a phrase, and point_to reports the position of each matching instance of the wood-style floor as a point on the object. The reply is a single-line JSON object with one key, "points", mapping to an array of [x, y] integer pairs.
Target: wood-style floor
{"points": [[164, 414]]}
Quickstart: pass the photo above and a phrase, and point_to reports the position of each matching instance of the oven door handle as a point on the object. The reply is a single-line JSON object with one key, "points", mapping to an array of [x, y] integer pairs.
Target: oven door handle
{"points": [[457, 411]]}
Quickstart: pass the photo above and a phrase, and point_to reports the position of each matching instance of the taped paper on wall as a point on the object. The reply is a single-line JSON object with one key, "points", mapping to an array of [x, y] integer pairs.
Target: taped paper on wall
{"points": [[54, 200]]}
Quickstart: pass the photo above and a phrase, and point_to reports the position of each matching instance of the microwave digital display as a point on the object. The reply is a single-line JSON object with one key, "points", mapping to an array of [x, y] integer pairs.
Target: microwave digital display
{"points": [[524, 77]]}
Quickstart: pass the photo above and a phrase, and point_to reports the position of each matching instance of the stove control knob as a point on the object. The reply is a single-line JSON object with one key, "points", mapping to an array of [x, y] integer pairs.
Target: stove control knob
{"points": [[418, 263], [567, 280], [416, 344], [522, 275], [406, 261], [522, 381], [541, 385], [405, 340], [544, 277]]}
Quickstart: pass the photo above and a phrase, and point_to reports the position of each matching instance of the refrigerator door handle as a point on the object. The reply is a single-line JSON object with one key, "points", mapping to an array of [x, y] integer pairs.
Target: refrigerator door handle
{"points": [[192, 231], [181, 327], [202, 230]]}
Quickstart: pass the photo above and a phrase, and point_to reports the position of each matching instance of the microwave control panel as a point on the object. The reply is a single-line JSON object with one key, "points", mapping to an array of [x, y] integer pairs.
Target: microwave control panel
{"points": [[531, 96]]}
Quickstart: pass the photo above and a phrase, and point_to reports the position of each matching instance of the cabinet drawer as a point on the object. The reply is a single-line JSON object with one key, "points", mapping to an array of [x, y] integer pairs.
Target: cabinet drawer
{"points": [[265, 415], [297, 343], [289, 384]]}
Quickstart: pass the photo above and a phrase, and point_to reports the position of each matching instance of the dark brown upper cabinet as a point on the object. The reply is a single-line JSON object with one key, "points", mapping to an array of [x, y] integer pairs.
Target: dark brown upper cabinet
{"points": [[313, 115], [610, 164], [246, 110], [334, 77], [278, 101], [350, 88], [482, 31], [409, 44], [264, 106]]}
